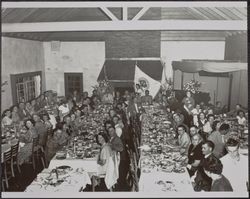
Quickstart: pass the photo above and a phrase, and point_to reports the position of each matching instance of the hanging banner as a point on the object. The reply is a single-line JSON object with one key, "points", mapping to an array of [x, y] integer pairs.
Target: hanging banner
{"points": [[146, 82]]}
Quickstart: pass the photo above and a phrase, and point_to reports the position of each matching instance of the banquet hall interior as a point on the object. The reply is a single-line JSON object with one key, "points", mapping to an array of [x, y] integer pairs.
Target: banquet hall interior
{"points": [[124, 96]]}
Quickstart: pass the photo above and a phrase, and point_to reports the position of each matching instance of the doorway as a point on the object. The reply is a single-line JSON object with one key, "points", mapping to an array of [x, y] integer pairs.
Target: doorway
{"points": [[72, 82]]}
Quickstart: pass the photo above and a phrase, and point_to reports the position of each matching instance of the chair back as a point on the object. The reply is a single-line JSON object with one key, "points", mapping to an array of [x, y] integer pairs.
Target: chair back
{"points": [[14, 149], [133, 172], [35, 144], [7, 156]]}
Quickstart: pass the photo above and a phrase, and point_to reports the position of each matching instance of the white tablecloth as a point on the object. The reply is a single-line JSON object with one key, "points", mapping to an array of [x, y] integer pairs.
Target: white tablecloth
{"points": [[177, 182], [88, 164], [73, 182]]}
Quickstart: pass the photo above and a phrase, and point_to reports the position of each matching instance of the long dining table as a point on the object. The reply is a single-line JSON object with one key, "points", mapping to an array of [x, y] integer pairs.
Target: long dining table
{"points": [[161, 164]]}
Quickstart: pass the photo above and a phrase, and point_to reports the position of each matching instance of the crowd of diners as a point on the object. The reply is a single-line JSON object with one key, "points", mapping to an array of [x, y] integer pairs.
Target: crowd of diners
{"points": [[211, 146]]}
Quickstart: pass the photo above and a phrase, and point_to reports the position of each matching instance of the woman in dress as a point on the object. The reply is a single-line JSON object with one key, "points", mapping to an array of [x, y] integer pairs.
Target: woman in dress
{"points": [[27, 138], [105, 153], [14, 115], [201, 120], [6, 121], [188, 101]]}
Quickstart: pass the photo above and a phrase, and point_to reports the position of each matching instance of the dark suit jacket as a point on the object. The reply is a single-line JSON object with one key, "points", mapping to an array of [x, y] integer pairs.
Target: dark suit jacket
{"points": [[23, 113], [202, 181], [188, 119]]}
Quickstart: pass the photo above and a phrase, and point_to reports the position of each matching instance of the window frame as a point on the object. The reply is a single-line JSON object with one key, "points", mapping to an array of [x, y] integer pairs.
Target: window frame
{"points": [[15, 82]]}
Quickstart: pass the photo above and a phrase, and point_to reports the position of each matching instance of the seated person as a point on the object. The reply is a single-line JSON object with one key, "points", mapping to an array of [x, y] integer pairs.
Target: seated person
{"points": [[147, 99], [183, 139], [201, 120], [6, 121], [224, 130], [41, 129], [235, 166], [213, 169], [233, 113], [27, 137], [218, 108], [63, 109], [202, 182], [241, 117], [194, 154], [58, 139], [216, 138], [178, 120], [22, 112], [14, 115], [207, 128]]}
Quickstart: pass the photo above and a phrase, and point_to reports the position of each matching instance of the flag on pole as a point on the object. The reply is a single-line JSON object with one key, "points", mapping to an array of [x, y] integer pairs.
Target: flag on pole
{"points": [[146, 82]]}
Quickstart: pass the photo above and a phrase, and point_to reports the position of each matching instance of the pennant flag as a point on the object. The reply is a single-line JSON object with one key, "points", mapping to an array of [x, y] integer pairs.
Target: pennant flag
{"points": [[146, 82]]}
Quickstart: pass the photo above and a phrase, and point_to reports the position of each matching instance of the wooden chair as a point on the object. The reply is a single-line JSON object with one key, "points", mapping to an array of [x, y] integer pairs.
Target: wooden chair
{"points": [[37, 152], [6, 176], [14, 158], [134, 181], [136, 148]]}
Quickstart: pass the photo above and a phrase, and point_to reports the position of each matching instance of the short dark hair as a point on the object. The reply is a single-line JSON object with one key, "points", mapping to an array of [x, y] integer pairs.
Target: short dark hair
{"points": [[104, 135], [209, 143], [200, 114], [183, 127], [108, 122], [46, 114], [213, 165], [224, 127], [239, 111], [210, 115], [215, 124], [4, 113], [232, 142], [193, 126], [31, 120]]}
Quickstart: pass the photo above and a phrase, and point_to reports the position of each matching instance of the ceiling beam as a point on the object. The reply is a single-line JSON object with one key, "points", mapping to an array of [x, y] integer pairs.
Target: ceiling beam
{"points": [[126, 25], [124, 13], [140, 13], [76, 4], [109, 13]]}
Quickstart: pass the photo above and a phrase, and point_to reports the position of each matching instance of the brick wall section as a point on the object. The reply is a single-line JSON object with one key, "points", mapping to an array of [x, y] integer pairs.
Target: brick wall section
{"points": [[128, 44], [133, 44]]}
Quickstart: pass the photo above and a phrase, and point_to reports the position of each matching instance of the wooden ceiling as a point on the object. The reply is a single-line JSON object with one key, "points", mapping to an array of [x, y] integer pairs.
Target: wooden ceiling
{"points": [[26, 15]]}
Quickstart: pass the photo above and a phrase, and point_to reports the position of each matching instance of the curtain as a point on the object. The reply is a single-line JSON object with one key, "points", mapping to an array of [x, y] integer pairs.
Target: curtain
{"points": [[37, 79], [208, 66]]}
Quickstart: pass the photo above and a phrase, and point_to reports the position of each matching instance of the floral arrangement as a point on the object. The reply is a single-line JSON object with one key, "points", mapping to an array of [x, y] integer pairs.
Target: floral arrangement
{"points": [[167, 87], [104, 85], [192, 86]]}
